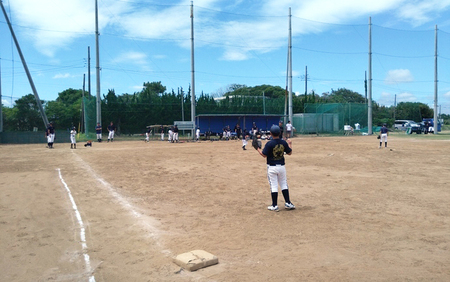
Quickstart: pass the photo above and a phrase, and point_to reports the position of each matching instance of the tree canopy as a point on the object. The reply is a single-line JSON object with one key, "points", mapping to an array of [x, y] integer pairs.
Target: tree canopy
{"points": [[155, 105]]}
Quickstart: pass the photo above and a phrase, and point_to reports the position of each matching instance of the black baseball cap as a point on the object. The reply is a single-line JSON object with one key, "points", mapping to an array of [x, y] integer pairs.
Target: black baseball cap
{"points": [[275, 130]]}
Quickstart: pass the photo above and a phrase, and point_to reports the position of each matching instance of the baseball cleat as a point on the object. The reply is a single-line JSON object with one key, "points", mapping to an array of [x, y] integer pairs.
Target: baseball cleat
{"points": [[273, 208], [289, 206]]}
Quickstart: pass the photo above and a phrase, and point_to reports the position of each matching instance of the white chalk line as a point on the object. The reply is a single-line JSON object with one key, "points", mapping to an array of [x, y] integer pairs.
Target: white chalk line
{"points": [[82, 229], [145, 221]]}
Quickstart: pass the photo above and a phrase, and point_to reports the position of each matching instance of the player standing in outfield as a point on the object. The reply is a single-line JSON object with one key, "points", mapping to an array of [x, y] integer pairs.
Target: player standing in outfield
{"points": [[276, 172], [161, 131], [98, 131], [175, 134], [383, 135], [147, 134], [111, 130], [50, 134], [170, 134], [73, 142], [288, 129]]}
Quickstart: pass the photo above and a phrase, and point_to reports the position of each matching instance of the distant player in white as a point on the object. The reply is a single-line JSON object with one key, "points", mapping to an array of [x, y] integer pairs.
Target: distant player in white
{"points": [[228, 132], [50, 133], [147, 134], [111, 130], [244, 140], [170, 134], [161, 130], [288, 129], [175, 134], [197, 133], [73, 141]]}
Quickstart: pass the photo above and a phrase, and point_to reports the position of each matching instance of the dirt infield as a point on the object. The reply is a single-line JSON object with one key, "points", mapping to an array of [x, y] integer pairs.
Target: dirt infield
{"points": [[363, 213]]}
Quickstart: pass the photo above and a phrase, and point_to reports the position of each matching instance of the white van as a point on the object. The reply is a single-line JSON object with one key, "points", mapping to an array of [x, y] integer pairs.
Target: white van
{"points": [[403, 124]]}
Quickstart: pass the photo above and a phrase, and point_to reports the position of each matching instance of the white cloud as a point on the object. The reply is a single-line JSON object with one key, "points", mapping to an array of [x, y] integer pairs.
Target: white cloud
{"points": [[406, 97], [398, 76], [133, 57], [420, 12], [57, 24], [446, 95], [6, 103], [62, 75]]}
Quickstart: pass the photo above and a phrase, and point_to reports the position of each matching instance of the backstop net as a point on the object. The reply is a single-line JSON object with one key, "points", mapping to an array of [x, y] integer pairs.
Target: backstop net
{"points": [[331, 118]]}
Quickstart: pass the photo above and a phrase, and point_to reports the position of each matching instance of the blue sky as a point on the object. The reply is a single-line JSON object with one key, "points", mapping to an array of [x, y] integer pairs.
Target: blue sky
{"points": [[236, 42]]}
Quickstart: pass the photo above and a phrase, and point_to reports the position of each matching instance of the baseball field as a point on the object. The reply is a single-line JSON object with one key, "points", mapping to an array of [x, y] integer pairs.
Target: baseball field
{"points": [[122, 211]]}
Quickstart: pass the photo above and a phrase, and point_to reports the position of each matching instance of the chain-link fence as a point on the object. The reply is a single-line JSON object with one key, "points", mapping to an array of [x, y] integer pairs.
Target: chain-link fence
{"points": [[331, 119]]}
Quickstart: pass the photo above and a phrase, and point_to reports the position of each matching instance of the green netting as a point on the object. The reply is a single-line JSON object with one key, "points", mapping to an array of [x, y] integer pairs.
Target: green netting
{"points": [[331, 118], [90, 116]]}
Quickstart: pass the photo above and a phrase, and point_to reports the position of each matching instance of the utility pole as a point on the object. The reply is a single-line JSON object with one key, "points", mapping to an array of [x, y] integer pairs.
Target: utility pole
{"points": [[97, 67], [290, 66], [192, 72], [435, 116], [369, 106]]}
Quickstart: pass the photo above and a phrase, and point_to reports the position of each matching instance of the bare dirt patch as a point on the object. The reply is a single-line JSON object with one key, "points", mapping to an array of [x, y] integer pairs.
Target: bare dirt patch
{"points": [[363, 213]]}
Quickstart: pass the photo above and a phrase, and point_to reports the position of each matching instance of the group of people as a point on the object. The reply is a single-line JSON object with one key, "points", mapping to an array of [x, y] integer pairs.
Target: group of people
{"points": [[111, 130], [50, 135], [173, 133], [255, 132]]}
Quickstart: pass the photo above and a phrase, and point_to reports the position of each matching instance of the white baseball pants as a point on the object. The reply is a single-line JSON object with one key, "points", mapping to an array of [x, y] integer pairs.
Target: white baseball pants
{"points": [[277, 176]]}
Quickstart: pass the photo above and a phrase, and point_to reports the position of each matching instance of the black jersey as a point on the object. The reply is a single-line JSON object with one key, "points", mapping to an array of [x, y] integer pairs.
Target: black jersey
{"points": [[274, 150]]}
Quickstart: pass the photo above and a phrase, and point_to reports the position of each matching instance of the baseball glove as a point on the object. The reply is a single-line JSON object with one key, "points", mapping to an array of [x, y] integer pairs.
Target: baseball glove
{"points": [[256, 144], [378, 137]]}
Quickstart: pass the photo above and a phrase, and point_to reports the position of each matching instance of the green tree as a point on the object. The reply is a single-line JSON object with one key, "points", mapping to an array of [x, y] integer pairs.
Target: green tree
{"points": [[413, 111], [342, 95], [25, 115], [65, 111]]}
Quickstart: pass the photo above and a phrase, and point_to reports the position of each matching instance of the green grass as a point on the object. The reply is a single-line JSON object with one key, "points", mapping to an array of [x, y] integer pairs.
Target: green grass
{"points": [[443, 135]]}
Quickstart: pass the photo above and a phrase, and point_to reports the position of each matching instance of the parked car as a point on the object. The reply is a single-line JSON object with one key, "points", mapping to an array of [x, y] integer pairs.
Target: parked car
{"points": [[400, 124], [415, 127], [408, 125]]}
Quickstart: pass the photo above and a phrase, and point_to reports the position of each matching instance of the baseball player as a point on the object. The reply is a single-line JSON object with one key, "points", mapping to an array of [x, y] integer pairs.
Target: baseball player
{"points": [[197, 134], [175, 134], [238, 131], [170, 134], [111, 130], [73, 142], [288, 129], [383, 136], [161, 130], [50, 134], [98, 131], [147, 134], [228, 132], [244, 140], [276, 172]]}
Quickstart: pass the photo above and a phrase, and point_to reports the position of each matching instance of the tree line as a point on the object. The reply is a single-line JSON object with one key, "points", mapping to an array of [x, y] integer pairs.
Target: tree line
{"points": [[155, 105]]}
